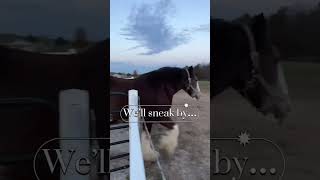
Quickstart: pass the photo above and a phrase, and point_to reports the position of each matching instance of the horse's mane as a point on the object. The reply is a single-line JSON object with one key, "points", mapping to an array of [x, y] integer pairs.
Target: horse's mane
{"points": [[167, 75]]}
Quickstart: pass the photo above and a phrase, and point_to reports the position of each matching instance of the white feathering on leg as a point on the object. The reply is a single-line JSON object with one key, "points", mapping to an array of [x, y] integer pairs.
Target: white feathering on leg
{"points": [[169, 142], [148, 153]]}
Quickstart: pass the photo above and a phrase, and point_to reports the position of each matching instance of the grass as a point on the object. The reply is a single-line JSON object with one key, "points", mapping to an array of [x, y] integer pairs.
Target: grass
{"points": [[303, 79], [302, 72], [205, 86]]}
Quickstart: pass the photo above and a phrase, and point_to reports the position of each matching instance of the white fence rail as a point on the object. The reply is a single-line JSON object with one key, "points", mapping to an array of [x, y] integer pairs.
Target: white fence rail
{"points": [[74, 123], [137, 170]]}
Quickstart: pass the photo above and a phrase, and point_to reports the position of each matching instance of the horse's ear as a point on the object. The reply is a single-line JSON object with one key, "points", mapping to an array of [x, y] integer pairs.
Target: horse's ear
{"points": [[261, 16], [190, 69], [259, 29], [259, 21]]}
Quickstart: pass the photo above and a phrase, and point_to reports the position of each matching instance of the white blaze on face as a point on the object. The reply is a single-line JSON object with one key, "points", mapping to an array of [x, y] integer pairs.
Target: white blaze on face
{"points": [[196, 91], [281, 80], [198, 87]]}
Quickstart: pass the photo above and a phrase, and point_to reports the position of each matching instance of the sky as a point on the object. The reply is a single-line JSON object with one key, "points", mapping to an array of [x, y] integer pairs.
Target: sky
{"points": [[231, 9], [54, 18], [151, 34]]}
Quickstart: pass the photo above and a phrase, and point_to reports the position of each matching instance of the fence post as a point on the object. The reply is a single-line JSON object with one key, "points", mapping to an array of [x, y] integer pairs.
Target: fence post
{"points": [[137, 171], [74, 123]]}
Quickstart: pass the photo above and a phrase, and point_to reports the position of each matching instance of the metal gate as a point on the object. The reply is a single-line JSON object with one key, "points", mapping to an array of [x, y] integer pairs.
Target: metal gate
{"points": [[14, 103], [118, 127], [137, 170]]}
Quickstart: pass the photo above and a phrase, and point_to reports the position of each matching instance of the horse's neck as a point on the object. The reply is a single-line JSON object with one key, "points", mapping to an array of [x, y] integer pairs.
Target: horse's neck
{"points": [[225, 74], [172, 89]]}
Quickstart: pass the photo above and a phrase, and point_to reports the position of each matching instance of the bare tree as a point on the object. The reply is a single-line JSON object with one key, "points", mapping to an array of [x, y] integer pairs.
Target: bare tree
{"points": [[80, 38], [135, 73]]}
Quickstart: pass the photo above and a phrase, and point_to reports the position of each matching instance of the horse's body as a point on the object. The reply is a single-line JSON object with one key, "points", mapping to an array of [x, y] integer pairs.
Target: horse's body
{"points": [[155, 88], [28, 74], [245, 59]]}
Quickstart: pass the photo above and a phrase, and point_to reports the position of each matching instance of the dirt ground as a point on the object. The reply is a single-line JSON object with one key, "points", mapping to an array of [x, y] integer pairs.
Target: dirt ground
{"points": [[297, 137], [191, 160]]}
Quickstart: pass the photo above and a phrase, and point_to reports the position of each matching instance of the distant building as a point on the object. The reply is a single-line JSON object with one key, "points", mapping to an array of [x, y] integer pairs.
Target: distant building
{"points": [[21, 44], [68, 52], [122, 75]]}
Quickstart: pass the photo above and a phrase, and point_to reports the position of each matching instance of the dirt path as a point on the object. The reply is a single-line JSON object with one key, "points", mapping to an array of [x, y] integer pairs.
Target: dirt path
{"points": [[191, 160]]}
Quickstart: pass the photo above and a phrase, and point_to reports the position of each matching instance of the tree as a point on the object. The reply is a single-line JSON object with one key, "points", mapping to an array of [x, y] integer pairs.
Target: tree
{"points": [[80, 38], [202, 71], [135, 73], [31, 38], [60, 41]]}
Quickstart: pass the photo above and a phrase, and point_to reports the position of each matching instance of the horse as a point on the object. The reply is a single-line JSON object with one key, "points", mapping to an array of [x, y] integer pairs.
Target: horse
{"points": [[156, 88], [245, 59], [36, 75]]}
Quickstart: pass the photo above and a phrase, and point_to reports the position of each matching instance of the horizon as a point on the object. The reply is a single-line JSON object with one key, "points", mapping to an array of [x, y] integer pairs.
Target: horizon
{"points": [[119, 67]]}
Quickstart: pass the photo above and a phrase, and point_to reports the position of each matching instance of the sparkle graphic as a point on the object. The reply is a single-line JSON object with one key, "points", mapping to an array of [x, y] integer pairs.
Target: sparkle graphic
{"points": [[244, 138]]}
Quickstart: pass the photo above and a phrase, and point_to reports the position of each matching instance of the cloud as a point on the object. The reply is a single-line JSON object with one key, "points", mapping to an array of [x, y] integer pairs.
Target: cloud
{"points": [[200, 28], [148, 26]]}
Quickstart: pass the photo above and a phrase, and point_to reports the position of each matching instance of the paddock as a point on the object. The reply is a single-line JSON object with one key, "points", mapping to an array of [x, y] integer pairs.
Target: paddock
{"points": [[192, 157], [298, 135]]}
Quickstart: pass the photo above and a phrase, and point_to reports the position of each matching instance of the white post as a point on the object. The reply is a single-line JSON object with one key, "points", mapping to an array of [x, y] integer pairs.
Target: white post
{"points": [[74, 123], [137, 171]]}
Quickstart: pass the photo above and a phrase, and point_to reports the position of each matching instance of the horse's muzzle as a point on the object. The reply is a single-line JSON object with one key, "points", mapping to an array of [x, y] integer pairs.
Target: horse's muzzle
{"points": [[197, 96]]}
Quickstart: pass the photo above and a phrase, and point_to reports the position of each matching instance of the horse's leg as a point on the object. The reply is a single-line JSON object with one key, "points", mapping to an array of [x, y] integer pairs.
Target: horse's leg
{"points": [[149, 154], [169, 141]]}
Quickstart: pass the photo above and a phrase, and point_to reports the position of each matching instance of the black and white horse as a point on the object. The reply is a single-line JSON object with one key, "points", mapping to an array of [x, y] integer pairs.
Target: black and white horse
{"points": [[245, 59], [156, 88]]}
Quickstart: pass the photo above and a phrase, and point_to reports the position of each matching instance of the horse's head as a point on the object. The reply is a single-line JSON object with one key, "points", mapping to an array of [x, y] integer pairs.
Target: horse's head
{"points": [[191, 85], [264, 85]]}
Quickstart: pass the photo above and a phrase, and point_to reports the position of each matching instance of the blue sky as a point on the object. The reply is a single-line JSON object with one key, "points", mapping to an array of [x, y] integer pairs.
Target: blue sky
{"points": [[148, 34]]}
